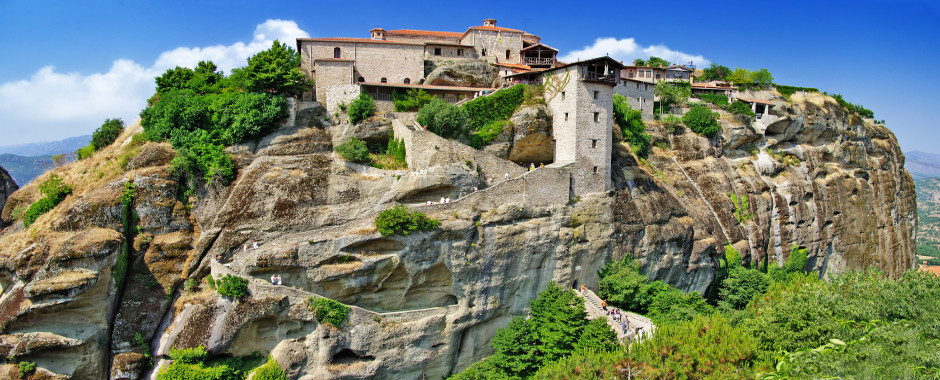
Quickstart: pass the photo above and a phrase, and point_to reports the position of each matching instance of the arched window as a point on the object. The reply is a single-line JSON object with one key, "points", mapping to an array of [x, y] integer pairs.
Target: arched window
{"points": [[361, 79], [336, 52], [407, 81], [483, 52], [384, 80]]}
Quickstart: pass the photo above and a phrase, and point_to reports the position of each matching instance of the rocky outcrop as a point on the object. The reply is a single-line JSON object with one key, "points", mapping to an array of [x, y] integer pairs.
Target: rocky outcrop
{"points": [[426, 305], [532, 139], [7, 187], [464, 72]]}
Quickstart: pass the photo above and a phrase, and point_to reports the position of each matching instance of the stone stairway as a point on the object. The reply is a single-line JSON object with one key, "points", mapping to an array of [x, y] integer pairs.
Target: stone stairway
{"points": [[638, 327]]}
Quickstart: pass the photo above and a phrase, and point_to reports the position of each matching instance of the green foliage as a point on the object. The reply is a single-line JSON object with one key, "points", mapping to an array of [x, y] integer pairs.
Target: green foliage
{"points": [[671, 305], [189, 355], [353, 150], [671, 93], [269, 371], [702, 121], [489, 132], [854, 108], [715, 72], [25, 369], [446, 120], [361, 108], [200, 126], [396, 149], [623, 286], [85, 152], [786, 91], [143, 346], [211, 282], [631, 122], [107, 133], [205, 79], [716, 99], [732, 257], [401, 220], [787, 159], [639, 62], [742, 208], [534, 95], [672, 123], [329, 311], [54, 191], [275, 70], [556, 328], [748, 78], [762, 78], [796, 263], [413, 100], [742, 110], [741, 285], [657, 62], [232, 286], [498, 106], [184, 371]]}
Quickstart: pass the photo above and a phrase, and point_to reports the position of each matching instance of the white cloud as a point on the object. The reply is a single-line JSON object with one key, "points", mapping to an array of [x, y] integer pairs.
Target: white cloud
{"points": [[51, 105], [627, 50]]}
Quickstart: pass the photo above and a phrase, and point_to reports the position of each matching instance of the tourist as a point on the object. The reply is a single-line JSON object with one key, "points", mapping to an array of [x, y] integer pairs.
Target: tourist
{"points": [[541, 164], [475, 189], [442, 200], [448, 199], [278, 279], [604, 305], [245, 247], [273, 279], [218, 258], [429, 203], [583, 289], [254, 245], [531, 166], [507, 176]]}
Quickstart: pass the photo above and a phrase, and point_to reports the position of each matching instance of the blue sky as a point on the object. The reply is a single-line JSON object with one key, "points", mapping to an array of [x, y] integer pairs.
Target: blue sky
{"points": [[69, 65]]}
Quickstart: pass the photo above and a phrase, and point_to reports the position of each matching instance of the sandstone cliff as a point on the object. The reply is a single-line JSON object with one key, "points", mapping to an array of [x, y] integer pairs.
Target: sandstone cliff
{"points": [[427, 304]]}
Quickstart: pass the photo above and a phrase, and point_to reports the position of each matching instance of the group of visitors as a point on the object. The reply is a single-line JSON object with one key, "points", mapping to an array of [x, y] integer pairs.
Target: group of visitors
{"points": [[254, 245], [532, 165], [275, 279], [615, 314]]}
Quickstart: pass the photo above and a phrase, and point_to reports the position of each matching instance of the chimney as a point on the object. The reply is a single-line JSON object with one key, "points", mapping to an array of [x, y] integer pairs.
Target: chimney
{"points": [[489, 22], [378, 34]]}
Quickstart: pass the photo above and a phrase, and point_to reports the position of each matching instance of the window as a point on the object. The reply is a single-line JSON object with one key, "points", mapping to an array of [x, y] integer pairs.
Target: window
{"points": [[483, 52], [336, 52], [566, 116], [595, 170], [597, 116], [562, 95], [407, 81], [637, 86], [384, 80], [507, 53], [649, 73], [595, 94], [361, 79], [437, 51], [593, 143], [459, 52]]}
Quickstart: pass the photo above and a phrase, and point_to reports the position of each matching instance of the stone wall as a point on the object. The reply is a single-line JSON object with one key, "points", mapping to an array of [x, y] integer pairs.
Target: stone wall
{"points": [[639, 95], [371, 61], [495, 45], [329, 74], [449, 52], [340, 94]]}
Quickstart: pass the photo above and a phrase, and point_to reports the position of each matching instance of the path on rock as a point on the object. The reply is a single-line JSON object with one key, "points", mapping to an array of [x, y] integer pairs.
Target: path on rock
{"points": [[638, 326]]}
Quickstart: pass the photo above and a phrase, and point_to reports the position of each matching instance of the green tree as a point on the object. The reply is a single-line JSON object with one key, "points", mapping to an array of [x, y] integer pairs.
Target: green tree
{"points": [[107, 133], [403, 221], [657, 62], [741, 286], [762, 78], [670, 94], [639, 62], [597, 336], [361, 108], [715, 72], [631, 122], [623, 285], [740, 76], [353, 150], [276, 70], [702, 120]]}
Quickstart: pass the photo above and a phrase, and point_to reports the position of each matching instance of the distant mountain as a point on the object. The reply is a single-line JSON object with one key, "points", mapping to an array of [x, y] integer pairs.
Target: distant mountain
{"points": [[922, 165], [24, 169], [70, 144]]}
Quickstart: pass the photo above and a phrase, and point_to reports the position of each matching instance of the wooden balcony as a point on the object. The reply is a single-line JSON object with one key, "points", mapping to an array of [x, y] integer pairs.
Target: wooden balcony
{"points": [[535, 61]]}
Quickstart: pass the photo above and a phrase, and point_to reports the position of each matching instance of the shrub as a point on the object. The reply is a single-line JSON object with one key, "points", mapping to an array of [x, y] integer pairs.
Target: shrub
{"points": [[55, 190], [444, 119], [786, 91], [329, 311], [210, 281], [107, 133], [396, 149], [489, 133], [742, 110], [232, 286], [184, 371], [275, 70], [498, 106], [189, 355], [631, 122], [742, 208], [702, 121], [400, 220], [741, 286], [716, 99], [85, 152], [353, 150], [26, 369], [361, 108], [413, 100], [269, 371]]}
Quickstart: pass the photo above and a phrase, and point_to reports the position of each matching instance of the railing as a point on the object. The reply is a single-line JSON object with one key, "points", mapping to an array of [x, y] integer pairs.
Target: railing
{"points": [[590, 75], [386, 97], [538, 61]]}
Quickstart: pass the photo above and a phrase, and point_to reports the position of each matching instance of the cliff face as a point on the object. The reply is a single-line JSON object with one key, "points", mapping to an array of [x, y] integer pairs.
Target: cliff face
{"points": [[427, 304], [7, 187]]}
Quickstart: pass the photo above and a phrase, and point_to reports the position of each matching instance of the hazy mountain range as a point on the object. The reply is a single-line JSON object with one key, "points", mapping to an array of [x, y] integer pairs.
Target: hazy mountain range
{"points": [[27, 161], [922, 165]]}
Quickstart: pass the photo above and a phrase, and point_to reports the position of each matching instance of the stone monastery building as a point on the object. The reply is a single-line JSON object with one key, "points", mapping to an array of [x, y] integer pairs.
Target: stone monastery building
{"points": [[579, 94]]}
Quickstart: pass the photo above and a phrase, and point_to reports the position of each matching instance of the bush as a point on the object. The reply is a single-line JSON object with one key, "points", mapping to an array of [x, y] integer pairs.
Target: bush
{"points": [[184, 371], [412, 101], [269, 371], [26, 369], [498, 106], [716, 99], [232, 286], [54, 190], [702, 121], [631, 122], [275, 70], [400, 220], [489, 133], [107, 133], [742, 110], [444, 119], [329, 311], [189, 355], [741, 286], [353, 150], [396, 149], [786, 91], [85, 152], [361, 108]]}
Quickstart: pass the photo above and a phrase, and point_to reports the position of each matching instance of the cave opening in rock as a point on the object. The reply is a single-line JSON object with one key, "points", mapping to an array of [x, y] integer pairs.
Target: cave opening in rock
{"points": [[347, 356]]}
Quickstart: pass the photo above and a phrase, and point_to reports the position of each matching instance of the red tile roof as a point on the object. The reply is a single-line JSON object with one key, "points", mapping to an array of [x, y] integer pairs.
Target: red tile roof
{"points": [[360, 40], [931, 269], [427, 86], [425, 33], [749, 100], [494, 28], [514, 65]]}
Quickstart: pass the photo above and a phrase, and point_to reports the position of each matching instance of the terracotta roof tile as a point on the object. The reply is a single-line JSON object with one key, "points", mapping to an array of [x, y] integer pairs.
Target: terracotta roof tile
{"points": [[425, 33], [362, 40], [494, 28], [930, 269], [514, 65], [426, 86], [749, 100]]}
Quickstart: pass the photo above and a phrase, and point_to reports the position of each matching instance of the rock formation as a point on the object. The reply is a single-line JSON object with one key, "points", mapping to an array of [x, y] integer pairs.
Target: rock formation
{"points": [[465, 72], [7, 187], [424, 305]]}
